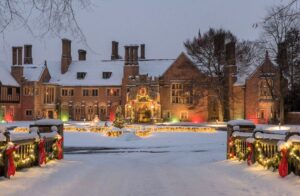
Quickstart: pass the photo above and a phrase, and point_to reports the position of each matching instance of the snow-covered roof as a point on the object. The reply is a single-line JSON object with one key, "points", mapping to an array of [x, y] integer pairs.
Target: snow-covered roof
{"points": [[6, 78], [243, 73], [33, 72], [94, 70]]}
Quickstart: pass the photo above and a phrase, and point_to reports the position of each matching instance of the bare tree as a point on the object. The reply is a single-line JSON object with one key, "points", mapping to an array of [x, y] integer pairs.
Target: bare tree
{"points": [[278, 22], [208, 52], [42, 16], [292, 73]]}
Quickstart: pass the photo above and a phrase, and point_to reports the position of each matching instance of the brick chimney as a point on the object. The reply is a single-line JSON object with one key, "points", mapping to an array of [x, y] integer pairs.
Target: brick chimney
{"points": [[131, 55], [135, 53], [81, 55], [17, 69], [66, 57], [142, 52], [230, 53], [28, 54], [126, 55], [219, 43], [115, 50]]}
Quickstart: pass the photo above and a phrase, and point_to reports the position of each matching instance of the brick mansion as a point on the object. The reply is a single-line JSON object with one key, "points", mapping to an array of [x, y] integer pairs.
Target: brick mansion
{"points": [[149, 90]]}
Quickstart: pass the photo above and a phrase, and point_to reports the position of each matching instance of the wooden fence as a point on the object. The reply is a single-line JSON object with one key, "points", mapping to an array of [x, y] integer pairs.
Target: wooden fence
{"points": [[279, 151], [27, 152]]}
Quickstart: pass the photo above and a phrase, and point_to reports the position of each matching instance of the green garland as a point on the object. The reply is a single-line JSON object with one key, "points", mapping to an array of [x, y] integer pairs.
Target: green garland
{"points": [[294, 157], [264, 161], [238, 152]]}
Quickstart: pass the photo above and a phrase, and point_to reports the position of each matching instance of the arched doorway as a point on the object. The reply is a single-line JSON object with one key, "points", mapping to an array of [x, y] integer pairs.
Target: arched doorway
{"points": [[143, 107]]}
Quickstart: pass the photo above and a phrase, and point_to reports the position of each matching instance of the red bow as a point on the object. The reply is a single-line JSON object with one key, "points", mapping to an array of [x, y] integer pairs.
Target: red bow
{"points": [[42, 152], [11, 168], [283, 168], [60, 150], [250, 154]]}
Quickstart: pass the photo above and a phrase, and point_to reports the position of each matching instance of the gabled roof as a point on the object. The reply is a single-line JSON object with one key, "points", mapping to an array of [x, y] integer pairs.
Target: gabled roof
{"points": [[267, 61], [6, 78], [181, 57], [94, 70], [33, 72]]}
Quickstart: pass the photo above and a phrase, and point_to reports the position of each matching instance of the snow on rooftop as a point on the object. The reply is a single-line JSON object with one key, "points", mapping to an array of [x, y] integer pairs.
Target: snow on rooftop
{"points": [[33, 72], [94, 70], [243, 73], [6, 78]]}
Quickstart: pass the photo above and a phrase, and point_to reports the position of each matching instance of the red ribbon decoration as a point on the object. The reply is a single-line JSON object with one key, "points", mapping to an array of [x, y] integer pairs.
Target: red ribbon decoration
{"points": [[283, 168], [42, 152], [60, 150], [11, 168], [250, 154]]}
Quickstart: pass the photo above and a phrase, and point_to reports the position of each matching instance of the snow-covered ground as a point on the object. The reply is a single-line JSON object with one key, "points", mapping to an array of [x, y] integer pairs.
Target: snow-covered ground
{"points": [[163, 164]]}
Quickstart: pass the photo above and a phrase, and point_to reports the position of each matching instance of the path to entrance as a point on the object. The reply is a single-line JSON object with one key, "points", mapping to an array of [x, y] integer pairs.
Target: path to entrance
{"points": [[165, 164]]}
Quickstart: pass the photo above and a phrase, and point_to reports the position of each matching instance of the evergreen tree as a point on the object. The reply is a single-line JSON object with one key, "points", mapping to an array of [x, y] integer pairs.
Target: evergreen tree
{"points": [[119, 119]]}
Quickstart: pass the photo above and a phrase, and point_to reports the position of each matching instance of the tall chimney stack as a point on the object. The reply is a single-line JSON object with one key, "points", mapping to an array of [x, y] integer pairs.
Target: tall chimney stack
{"points": [[115, 50], [135, 58], [142, 52], [219, 47], [16, 55], [17, 69], [230, 53], [66, 57], [81, 55], [127, 55], [28, 54]]}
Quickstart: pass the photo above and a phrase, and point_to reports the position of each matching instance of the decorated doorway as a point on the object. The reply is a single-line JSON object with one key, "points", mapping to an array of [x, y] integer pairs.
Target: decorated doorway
{"points": [[142, 106]]}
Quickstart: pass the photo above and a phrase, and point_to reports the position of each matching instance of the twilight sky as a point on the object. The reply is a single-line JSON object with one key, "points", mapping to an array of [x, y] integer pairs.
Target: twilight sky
{"points": [[163, 25]]}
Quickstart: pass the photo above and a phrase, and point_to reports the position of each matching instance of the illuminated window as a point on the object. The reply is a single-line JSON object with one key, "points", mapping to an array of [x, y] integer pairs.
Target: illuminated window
{"points": [[265, 88], [28, 91], [49, 95], [113, 92], [180, 93], [183, 115]]}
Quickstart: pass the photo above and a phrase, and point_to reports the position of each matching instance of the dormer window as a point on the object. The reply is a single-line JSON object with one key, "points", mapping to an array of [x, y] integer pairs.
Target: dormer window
{"points": [[81, 75], [106, 75]]}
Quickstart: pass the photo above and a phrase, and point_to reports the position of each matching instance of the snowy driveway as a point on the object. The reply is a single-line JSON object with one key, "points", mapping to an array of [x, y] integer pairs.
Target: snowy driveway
{"points": [[171, 164]]}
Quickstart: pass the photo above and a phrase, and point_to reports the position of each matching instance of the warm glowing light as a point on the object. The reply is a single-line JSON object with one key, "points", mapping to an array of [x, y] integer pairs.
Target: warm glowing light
{"points": [[175, 120], [64, 117]]}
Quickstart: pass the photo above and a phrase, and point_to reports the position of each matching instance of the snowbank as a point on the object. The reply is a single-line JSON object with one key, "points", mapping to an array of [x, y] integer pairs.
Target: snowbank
{"points": [[241, 122]]}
